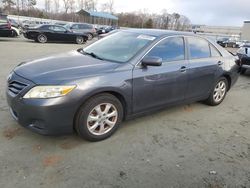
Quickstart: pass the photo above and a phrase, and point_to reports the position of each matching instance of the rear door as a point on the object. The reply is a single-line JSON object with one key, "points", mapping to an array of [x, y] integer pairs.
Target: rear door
{"points": [[166, 84], [204, 63], [76, 28]]}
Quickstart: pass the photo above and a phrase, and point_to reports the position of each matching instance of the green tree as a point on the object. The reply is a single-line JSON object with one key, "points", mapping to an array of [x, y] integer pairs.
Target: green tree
{"points": [[149, 23]]}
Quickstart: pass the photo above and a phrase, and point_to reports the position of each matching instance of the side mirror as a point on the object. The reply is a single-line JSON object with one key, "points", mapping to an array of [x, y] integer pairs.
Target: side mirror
{"points": [[245, 61], [151, 61]]}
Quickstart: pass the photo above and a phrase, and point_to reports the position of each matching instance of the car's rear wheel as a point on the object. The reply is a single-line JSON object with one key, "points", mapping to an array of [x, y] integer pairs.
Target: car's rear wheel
{"points": [[80, 40], [218, 93], [14, 33], [99, 117], [42, 38], [90, 36]]}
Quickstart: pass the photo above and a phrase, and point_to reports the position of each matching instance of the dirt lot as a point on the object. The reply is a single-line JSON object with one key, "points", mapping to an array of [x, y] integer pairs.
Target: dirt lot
{"points": [[186, 146]]}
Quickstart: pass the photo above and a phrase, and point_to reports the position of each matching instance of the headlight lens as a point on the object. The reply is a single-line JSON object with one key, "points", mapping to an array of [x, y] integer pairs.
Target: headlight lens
{"points": [[43, 92]]}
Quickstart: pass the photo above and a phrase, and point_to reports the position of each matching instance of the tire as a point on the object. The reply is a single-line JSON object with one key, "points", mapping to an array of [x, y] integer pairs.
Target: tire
{"points": [[221, 92], [90, 36], [79, 40], [14, 33], [91, 124], [41, 38]]}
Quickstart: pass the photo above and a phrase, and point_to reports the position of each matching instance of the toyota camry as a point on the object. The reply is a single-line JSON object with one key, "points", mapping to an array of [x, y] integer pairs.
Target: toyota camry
{"points": [[122, 76]]}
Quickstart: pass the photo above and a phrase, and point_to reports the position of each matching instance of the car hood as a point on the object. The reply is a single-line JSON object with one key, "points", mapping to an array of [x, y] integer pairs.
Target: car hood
{"points": [[63, 67]]}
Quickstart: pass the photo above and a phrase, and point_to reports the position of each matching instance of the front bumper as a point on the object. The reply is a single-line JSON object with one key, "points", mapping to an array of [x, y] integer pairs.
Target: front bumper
{"points": [[45, 116]]}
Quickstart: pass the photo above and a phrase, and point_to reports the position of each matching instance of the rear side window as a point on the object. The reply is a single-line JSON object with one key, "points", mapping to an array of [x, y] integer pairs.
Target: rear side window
{"points": [[85, 26], [171, 49], [198, 48], [214, 51]]}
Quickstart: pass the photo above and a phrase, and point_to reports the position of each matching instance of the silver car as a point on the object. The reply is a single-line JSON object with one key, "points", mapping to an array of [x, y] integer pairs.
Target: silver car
{"points": [[84, 28]]}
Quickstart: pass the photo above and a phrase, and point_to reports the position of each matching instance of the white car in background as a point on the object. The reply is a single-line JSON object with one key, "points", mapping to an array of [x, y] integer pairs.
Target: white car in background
{"points": [[244, 55]]}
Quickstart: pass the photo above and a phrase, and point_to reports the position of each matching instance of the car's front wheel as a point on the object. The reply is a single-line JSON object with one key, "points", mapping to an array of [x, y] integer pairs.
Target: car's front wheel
{"points": [[80, 40], [218, 93], [99, 117], [41, 38]]}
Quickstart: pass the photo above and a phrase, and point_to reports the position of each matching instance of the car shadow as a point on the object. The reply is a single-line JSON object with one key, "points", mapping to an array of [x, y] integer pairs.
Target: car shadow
{"points": [[71, 141]]}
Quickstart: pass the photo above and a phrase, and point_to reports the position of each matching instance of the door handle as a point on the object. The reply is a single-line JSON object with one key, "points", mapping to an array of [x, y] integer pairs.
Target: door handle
{"points": [[183, 69], [220, 63]]}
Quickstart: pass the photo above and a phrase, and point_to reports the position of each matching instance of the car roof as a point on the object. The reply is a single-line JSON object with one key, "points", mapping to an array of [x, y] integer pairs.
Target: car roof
{"points": [[160, 32]]}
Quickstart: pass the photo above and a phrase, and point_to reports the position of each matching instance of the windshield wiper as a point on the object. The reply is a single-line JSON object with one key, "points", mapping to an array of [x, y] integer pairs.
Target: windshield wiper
{"points": [[92, 54]]}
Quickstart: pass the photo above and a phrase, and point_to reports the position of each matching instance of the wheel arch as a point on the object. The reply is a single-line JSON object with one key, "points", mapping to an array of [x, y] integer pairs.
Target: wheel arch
{"points": [[124, 101], [229, 80]]}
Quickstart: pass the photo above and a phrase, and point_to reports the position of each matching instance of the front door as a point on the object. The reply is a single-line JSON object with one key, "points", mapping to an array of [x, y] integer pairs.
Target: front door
{"points": [[166, 84]]}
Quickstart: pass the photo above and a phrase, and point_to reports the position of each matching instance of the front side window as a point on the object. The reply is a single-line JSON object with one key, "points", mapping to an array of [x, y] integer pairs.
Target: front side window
{"points": [[120, 47], [171, 49], [198, 48]]}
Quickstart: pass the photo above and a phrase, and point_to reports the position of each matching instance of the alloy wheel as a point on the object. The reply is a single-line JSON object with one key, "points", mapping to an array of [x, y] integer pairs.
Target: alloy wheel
{"points": [[90, 37], [102, 119], [42, 38], [219, 91]]}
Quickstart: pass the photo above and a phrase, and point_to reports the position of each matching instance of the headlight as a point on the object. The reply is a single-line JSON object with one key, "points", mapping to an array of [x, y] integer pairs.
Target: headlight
{"points": [[43, 92]]}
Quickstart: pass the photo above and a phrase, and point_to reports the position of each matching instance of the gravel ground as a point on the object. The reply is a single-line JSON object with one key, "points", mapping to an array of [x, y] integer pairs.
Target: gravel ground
{"points": [[185, 146]]}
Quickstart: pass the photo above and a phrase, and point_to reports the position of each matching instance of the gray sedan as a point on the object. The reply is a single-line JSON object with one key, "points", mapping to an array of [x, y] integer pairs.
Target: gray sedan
{"points": [[127, 74]]}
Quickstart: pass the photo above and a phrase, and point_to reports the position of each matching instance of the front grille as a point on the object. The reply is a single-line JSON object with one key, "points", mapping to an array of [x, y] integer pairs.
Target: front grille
{"points": [[16, 87]]}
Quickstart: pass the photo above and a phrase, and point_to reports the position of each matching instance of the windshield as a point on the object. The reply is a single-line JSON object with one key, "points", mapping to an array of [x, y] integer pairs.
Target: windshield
{"points": [[119, 47]]}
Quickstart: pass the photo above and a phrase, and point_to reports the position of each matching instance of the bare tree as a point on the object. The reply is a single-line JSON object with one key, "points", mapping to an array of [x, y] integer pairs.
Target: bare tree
{"points": [[72, 6], [23, 4], [90, 5], [80, 4], [8, 4], [108, 6], [18, 5], [31, 3], [176, 17], [47, 5], [56, 5], [66, 5]]}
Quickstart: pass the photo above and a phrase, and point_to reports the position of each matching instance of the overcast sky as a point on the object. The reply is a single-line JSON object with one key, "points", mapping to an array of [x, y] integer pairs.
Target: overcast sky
{"points": [[208, 12]]}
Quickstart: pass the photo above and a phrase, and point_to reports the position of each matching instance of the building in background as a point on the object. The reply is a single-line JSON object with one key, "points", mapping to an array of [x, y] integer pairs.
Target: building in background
{"points": [[246, 31], [216, 32], [94, 17]]}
